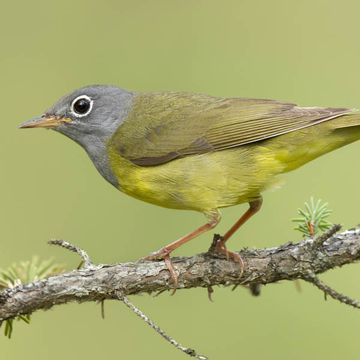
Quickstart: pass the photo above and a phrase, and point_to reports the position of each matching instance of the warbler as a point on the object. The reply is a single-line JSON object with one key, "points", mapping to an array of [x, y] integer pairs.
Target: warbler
{"points": [[196, 152]]}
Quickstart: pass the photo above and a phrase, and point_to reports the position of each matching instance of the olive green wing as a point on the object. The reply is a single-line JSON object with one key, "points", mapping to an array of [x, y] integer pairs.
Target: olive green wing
{"points": [[165, 126]]}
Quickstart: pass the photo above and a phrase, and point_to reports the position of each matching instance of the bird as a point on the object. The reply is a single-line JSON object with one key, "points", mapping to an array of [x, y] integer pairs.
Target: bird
{"points": [[190, 151]]}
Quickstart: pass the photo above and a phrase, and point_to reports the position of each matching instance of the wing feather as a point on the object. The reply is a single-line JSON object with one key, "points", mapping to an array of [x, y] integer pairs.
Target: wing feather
{"points": [[165, 126]]}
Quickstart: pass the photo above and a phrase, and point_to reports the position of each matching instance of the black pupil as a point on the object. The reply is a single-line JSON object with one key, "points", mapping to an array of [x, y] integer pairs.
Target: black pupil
{"points": [[82, 106]]}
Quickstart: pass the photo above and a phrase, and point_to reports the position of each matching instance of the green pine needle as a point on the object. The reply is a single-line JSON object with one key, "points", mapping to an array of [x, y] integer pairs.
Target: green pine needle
{"points": [[313, 219], [23, 273]]}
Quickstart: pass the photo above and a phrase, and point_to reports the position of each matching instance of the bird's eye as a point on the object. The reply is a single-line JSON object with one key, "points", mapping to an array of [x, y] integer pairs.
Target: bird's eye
{"points": [[81, 106]]}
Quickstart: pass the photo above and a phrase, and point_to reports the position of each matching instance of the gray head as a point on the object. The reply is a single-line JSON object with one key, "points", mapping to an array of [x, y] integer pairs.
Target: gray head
{"points": [[89, 116]]}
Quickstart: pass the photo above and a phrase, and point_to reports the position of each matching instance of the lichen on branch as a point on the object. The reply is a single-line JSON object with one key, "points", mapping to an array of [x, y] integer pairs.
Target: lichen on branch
{"points": [[262, 266]]}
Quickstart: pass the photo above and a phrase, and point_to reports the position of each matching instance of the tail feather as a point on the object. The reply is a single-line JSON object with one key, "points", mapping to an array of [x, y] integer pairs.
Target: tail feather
{"points": [[346, 121]]}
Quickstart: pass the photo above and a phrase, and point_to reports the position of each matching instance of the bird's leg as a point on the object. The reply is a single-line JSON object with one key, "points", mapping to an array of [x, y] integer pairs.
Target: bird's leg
{"points": [[164, 253], [254, 207], [220, 247]]}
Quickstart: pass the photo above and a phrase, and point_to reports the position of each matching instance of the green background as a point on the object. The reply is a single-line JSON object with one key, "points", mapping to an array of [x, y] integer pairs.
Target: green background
{"points": [[300, 51]]}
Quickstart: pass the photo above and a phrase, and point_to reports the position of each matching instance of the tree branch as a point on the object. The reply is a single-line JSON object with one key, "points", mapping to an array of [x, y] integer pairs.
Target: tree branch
{"points": [[262, 266]]}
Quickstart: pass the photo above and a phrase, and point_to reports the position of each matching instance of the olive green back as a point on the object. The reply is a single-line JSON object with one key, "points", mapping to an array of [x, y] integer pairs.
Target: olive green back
{"points": [[166, 126]]}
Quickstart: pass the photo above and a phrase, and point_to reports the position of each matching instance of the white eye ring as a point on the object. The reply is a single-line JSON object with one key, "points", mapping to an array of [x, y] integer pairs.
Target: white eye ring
{"points": [[87, 109]]}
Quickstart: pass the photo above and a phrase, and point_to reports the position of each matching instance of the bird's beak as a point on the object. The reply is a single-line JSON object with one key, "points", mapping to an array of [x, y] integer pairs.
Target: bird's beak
{"points": [[45, 121]]}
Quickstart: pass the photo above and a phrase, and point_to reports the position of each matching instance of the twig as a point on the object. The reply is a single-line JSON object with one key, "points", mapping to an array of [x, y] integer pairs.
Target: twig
{"points": [[88, 264], [139, 313], [210, 291], [318, 241], [312, 278], [102, 305], [82, 253], [255, 289]]}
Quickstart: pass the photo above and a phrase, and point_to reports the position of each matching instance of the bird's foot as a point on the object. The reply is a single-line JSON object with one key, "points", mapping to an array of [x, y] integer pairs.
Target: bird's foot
{"points": [[164, 254], [218, 247]]}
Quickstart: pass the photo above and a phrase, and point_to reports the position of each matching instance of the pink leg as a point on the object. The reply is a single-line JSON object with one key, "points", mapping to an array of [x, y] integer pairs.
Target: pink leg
{"points": [[254, 207], [220, 247], [164, 253]]}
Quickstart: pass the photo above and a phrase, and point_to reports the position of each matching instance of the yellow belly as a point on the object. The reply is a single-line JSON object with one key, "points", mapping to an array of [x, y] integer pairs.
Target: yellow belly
{"points": [[225, 178], [201, 182]]}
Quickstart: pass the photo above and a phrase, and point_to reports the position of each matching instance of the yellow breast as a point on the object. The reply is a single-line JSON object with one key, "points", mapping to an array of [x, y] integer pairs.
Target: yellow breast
{"points": [[200, 182]]}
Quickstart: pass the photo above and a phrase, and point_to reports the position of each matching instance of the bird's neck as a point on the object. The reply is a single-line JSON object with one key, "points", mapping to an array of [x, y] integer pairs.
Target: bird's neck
{"points": [[97, 151]]}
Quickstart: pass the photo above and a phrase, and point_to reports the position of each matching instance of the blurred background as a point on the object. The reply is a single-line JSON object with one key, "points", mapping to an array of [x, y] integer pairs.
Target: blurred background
{"points": [[306, 52]]}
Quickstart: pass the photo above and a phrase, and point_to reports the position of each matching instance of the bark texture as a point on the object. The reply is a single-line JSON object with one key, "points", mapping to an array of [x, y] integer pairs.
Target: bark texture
{"points": [[262, 266]]}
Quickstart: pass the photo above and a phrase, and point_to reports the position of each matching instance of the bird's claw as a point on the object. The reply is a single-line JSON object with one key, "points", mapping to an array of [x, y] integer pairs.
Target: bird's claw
{"points": [[157, 255], [164, 254], [220, 249]]}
